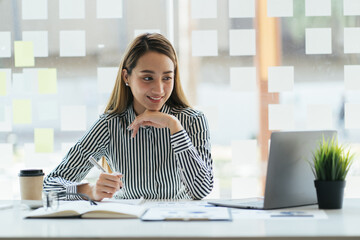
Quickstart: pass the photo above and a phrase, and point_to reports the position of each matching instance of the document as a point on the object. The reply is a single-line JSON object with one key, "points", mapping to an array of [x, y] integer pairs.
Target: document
{"points": [[278, 214], [187, 214], [83, 209]]}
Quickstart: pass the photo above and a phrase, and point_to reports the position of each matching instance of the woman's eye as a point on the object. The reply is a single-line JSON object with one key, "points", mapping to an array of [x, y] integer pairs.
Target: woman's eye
{"points": [[167, 78], [148, 78]]}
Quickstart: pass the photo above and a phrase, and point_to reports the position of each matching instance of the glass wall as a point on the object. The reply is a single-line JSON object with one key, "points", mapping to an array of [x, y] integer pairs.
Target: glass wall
{"points": [[251, 66]]}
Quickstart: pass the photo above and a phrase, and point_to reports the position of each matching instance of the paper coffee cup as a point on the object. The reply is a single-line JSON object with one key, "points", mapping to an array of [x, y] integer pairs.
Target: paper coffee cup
{"points": [[31, 184]]}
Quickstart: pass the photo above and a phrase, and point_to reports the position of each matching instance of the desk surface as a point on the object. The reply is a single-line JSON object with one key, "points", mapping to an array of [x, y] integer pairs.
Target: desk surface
{"points": [[340, 224]]}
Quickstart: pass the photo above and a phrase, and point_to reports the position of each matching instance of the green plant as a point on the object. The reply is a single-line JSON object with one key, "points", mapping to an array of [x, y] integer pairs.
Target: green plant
{"points": [[331, 162]]}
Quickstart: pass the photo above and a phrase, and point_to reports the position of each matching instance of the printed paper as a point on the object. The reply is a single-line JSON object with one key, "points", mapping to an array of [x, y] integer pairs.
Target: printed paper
{"points": [[72, 44], [198, 9], [109, 8], [241, 8], [351, 77], [71, 9], [280, 8], [242, 42], [34, 9], [106, 77], [40, 41], [5, 44], [351, 40], [319, 117], [318, 8], [318, 41]]}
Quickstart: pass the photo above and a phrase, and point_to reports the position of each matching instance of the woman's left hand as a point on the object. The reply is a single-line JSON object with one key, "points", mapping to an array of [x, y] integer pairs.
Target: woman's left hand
{"points": [[155, 119]]}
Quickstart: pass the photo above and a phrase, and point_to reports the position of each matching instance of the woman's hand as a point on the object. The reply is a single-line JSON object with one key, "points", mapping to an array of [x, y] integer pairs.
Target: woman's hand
{"points": [[105, 186], [155, 119]]}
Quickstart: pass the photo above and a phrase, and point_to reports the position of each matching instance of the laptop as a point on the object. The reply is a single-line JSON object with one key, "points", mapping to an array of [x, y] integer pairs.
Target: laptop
{"points": [[289, 178]]}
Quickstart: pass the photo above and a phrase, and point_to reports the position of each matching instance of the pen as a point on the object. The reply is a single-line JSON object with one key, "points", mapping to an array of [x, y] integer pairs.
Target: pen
{"points": [[96, 164]]}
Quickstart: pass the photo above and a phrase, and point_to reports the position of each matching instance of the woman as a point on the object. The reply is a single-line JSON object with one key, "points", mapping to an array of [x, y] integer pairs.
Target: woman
{"points": [[148, 133]]}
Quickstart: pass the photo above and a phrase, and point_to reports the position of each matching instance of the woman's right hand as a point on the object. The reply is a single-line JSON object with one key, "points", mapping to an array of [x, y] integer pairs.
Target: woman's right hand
{"points": [[106, 186]]}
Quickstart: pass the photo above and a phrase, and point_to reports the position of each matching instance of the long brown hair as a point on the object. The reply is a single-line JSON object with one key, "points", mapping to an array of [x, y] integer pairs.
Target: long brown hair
{"points": [[121, 96]]}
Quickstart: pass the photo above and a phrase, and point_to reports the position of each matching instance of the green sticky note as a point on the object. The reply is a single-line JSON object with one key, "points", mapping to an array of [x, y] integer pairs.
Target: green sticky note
{"points": [[47, 81], [22, 111], [44, 140], [2, 83], [24, 54]]}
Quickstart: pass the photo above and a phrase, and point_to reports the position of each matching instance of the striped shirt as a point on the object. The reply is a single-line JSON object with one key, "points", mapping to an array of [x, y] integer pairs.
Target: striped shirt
{"points": [[154, 164]]}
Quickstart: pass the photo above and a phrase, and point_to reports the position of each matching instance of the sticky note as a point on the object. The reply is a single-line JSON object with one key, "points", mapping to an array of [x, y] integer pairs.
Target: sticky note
{"points": [[106, 77], [24, 54], [351, 77], [245, 187], [318, 8], [40, 41], [22, 111], [3, 83], [47, 79], [47, 110], [280, 79], [281, 116], [5, 121], [137, 32], [73, 118], [44, 140], [351, 7], [243, 78], [241, 8], [199, 11], [280, 8], [242, 42], [5, 44], [109, 8], [204, 43], [34, 9], [71, 9], [318, 41], [352, 116], [319, 116], [72, 44], [351, 40], [244, 151]]}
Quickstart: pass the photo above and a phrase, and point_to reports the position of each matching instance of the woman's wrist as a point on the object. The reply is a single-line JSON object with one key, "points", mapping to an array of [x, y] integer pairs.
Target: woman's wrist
{"points": [[174, 125]]}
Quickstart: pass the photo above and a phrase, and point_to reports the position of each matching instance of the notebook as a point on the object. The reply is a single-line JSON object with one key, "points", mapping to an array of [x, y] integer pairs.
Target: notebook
{"points": [[83, 209], [289, 178]]}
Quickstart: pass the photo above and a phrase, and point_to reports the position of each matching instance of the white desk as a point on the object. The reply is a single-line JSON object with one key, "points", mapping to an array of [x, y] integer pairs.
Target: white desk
{"points": [[341, 224]]}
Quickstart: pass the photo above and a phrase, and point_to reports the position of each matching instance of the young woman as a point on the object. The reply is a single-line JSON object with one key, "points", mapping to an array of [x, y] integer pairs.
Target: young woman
{"points": [[148, 133]]}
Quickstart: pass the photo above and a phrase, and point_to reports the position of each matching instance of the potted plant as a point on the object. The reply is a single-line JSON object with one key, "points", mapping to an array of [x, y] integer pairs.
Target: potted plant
{"points": [[331, 163]]}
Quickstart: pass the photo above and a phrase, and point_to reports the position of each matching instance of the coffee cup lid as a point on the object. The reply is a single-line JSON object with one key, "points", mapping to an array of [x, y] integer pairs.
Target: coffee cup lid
{"points": [[31, 172]]}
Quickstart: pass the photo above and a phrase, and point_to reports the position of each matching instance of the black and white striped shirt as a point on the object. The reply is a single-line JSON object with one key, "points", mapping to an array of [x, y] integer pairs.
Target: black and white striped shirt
{"points": [[154, 164]]}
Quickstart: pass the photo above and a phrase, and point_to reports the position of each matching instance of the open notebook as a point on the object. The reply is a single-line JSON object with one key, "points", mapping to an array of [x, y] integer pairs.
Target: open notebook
{"points": [[84, 210]]}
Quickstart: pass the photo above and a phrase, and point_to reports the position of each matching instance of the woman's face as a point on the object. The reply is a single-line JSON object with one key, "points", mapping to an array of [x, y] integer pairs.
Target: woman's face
{"points": [[151, 81]]}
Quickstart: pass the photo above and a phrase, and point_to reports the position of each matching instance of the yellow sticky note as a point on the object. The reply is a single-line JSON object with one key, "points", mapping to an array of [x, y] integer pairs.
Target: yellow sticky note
{"points": [[24, 54], [47, 81], [22, 111], [2, 83], [44, 140]]}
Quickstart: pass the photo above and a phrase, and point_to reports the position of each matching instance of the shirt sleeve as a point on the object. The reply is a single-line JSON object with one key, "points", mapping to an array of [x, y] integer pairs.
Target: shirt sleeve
{"points": [[193, 154], [75, 165]]}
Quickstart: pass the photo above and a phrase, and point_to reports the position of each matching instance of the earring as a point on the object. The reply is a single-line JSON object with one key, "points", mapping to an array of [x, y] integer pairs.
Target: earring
{"points": [[127, 84]]}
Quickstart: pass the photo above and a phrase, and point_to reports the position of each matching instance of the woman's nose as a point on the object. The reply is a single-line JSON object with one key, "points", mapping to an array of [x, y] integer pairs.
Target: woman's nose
{"points": [[158, 86]]}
